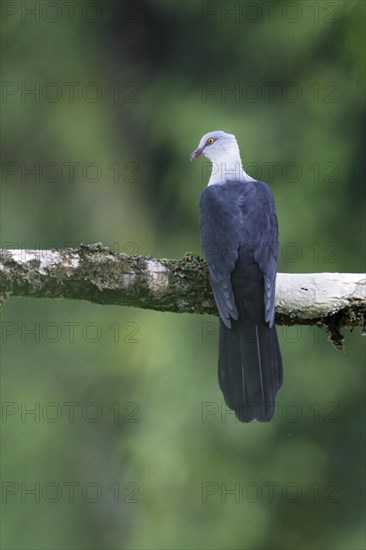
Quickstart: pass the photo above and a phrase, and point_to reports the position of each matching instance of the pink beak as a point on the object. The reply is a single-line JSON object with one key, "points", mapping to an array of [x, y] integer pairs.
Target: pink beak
{"points": [[196, 153]]}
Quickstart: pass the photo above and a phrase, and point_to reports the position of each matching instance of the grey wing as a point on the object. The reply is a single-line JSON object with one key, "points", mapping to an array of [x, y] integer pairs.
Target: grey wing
{"points": [[220, 247], [266, 257], [223, 294]]}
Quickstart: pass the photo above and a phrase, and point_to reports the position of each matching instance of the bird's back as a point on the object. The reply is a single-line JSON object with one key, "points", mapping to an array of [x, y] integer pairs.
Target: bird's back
{"points": [[240, 240]]}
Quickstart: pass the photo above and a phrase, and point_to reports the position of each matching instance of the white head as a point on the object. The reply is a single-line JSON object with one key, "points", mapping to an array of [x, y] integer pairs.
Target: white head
{"points": [[222, 150]]}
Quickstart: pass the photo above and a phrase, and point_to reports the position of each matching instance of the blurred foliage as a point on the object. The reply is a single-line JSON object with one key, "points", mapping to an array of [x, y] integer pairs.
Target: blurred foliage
{"points": [[164, 71]]}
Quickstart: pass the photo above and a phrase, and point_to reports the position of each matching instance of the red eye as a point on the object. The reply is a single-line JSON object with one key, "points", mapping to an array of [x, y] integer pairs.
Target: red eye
{"points": [[210, 141]]}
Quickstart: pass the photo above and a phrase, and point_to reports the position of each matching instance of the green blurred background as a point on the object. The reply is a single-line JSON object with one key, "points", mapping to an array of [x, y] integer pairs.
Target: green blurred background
{"points": [[129, 445]]}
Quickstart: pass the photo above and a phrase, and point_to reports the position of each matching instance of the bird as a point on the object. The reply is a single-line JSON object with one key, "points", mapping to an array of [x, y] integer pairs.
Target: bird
{"points": [[239, 239]]}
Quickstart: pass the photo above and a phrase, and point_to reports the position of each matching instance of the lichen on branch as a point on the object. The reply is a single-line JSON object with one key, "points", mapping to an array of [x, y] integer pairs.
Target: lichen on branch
{"points": [[95, 273]]}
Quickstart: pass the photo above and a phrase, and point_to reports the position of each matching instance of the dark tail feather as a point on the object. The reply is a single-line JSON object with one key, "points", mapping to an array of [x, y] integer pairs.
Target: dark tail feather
{"points": [[250, 369]]}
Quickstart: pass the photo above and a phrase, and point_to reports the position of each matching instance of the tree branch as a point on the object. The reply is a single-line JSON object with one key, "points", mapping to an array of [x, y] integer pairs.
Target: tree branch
{"points": [[96, 274]]}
